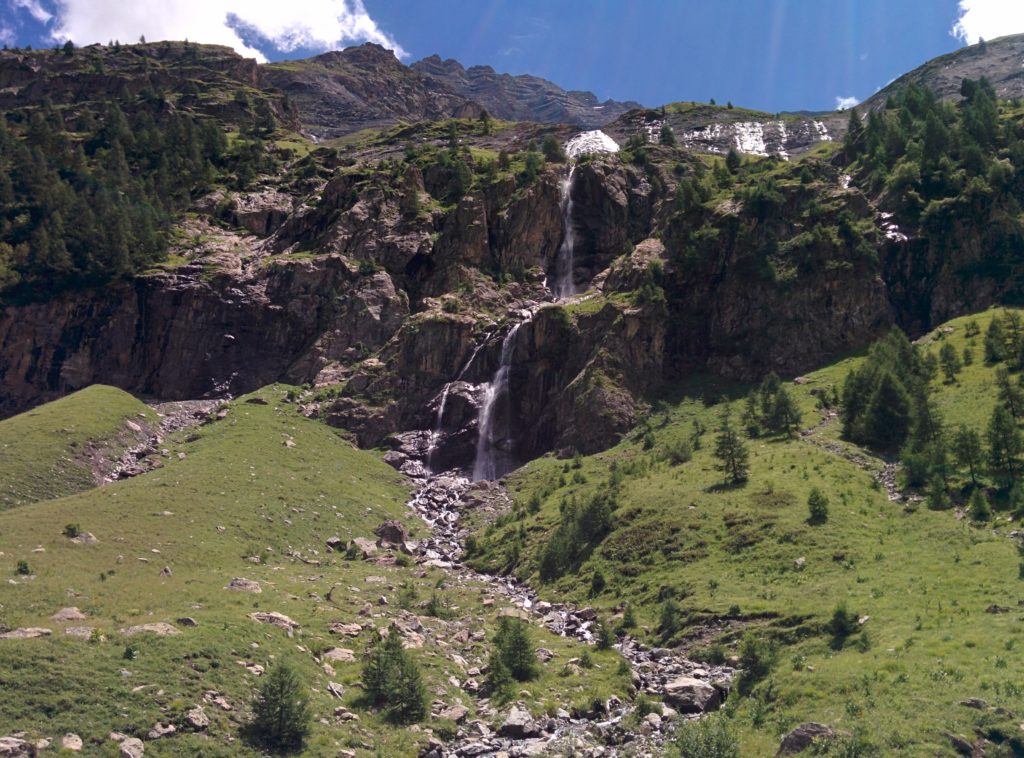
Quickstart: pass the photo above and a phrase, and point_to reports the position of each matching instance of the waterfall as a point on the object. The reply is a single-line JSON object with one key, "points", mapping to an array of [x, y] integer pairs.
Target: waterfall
{"points": [[435, 435], [494, 434], [564, 285]]}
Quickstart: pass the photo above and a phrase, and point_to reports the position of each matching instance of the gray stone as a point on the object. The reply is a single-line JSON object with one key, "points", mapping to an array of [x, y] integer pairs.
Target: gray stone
{"points": [[132, 747], [805, 736], [197, 718], [691, 695], [518, 724], [71, 741], [12, 747]]}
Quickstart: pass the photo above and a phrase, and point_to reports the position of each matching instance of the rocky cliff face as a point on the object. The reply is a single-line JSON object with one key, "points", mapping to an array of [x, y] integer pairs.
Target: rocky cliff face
{"points": [[522, 98], [186, 335]]}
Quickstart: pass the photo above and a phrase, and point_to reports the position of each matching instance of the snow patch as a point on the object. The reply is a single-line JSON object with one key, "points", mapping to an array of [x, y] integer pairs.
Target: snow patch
{"points": [[749, 137], [821, 130], [594, 141]]}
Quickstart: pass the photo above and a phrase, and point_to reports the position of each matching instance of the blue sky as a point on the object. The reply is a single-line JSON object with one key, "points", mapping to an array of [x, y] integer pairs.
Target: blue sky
{"points": [[781, 55]]}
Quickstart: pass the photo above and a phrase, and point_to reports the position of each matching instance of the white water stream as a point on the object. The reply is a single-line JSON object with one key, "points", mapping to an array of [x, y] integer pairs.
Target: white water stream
{"points": [[494, 433]]}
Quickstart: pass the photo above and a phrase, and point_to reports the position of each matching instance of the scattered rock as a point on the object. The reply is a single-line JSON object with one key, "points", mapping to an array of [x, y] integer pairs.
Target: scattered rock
{"points": [[12, 747], [132, 747], [337, 544], [392, 533], [187, 621], [197, 718], [68, 614], [960, 745], [71, 741], [165, 571], [518, 724], [241, 584], [340, 654], [348, 630], [691, 695], [79, 632], [274, 618], [160, 730], [26, 634], [85, 538], [997, 609], [805, 736], [456, 713], [974, 702], [160, 628]]}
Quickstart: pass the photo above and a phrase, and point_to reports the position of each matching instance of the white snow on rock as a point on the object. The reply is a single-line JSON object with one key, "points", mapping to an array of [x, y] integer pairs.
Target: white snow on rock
{"points": [[594, 141], [821, 130]]}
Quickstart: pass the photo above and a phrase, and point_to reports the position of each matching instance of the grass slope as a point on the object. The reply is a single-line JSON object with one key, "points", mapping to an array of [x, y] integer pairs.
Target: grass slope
{"points": [[740, 559], [46, 452], [263, 482]]}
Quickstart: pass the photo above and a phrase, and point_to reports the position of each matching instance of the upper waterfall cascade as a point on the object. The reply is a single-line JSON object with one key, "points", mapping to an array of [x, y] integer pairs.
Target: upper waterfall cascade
{"points": [[594, 141], [564, 285]]}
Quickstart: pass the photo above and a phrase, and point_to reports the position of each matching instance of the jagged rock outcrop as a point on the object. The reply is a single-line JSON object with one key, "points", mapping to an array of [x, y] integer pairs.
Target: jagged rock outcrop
{"points": [[522, 98]]}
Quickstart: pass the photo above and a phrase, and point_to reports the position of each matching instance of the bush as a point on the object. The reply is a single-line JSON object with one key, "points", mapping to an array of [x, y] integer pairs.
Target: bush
{"points": [[72, 530], [281, 714], [710, 737], [392, 681], [817, 507], [23, 569], [757, 655], [842, 624]]}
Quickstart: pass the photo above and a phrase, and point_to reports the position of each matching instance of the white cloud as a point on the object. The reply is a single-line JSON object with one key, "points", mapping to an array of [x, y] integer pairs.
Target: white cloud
{"points": [[286, 25], [842, 103], [7, 35], [35, 9], [988, 19]]}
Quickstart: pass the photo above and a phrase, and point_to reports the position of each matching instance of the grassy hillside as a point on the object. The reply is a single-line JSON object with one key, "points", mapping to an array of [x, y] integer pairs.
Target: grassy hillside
{"points": [[937, 593], [49, 451], [255, 495]]}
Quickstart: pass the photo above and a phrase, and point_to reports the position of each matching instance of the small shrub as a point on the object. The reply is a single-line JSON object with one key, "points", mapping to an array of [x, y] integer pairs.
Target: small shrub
{"points": [[586, 661], [23, 569], [711, 737], [817, 507], [391, 679], [515, 648], [842, 624], [72, 530], [757, 655]]}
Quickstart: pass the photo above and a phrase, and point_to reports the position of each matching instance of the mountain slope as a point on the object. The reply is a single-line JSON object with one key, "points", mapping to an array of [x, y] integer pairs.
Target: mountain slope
{"points": [[69, 445], [932, 591]]}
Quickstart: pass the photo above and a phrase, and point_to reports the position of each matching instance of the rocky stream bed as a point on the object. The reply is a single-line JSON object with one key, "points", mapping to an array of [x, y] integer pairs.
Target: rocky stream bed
{"points": [[687, 688]]}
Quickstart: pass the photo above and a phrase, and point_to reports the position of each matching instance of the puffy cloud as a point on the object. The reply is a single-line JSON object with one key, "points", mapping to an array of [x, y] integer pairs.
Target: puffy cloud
{"points": [[285, 25], [842, 103], [7, 35], [988, 19]]}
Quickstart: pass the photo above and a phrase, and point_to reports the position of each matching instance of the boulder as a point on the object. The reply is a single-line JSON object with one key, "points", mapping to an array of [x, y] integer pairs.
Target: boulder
{"points": [[805, 736], [160, 628], [348, 630], [160, 730], [197, 719], [241, 584], [340, 654], [132, 747], [79, 632], [519, 724], [12, 747], [336, 543], [364, 547], [456, 713], [71, 741], [68, 614], [274, 618], [691, 695], [392, 533], [26, 634]]}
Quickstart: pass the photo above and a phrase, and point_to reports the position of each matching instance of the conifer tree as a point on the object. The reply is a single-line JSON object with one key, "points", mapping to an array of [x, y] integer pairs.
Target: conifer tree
{"points": [[968, 452], [281, 714], [731, 453], [949, 359], [1005, 446]]}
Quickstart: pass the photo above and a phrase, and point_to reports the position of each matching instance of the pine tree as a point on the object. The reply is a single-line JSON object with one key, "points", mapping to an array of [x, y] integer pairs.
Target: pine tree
{"points": [[667, 136], [281, 714], [515, 648], [817, 507], [1005, 446], [968, 452], [392, 680], [1010, 394], [980, 509], [731, 453], [949, 359], [995, 342], [733, 160]]}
